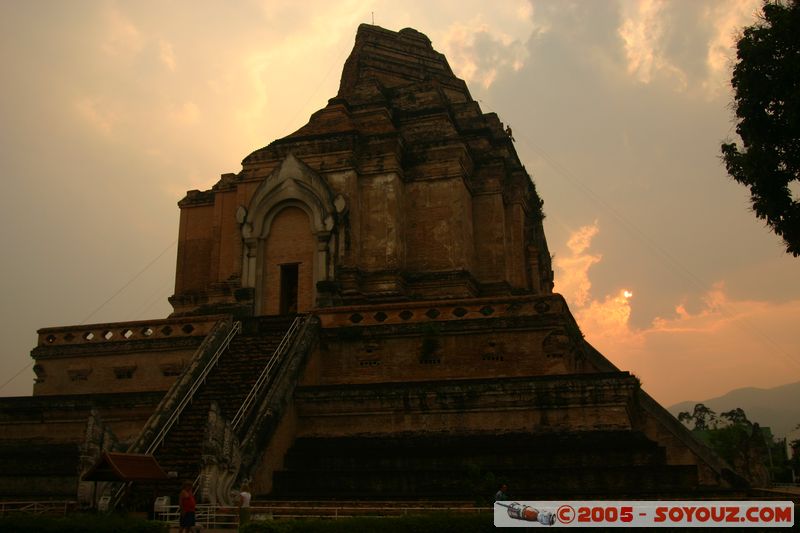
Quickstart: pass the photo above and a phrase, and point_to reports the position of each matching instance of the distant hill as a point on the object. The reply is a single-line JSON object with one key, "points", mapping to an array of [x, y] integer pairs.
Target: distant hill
{"points": [[777, 408]]}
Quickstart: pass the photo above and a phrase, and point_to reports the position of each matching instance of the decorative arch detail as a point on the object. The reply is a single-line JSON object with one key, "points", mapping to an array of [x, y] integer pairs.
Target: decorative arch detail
{"points": [[292, 184]]}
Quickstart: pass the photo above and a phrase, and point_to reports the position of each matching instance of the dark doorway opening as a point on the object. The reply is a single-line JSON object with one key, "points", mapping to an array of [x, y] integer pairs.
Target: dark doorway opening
{"points": [[289, 287]]}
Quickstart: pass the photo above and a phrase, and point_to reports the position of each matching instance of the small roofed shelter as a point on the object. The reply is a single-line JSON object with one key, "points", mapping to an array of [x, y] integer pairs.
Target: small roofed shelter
{"points": [[113, 466], [117, 467]]}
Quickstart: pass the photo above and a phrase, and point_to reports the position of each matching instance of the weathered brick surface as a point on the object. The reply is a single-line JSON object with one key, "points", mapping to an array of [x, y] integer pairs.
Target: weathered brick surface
{"points": [[194, 249], [486, 352], [443, 352], [537, 405], [62, 418], [289, 242], [116, 357], [429, 185], [588, 464], [33, 469], [234, 375], [381, 222]]}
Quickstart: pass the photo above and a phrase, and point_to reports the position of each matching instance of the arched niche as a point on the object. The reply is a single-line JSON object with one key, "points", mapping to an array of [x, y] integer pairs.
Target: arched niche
{"points": [[292, 185]]}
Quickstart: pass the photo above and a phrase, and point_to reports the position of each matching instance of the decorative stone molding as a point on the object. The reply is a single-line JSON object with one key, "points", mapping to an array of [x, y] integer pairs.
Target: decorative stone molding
{"points": [[79, 374], [171, 369], [441, 311], [292, 184], [124, 372], [120, 332], [540, 405], [221, 459], [40, 372], [557, 344]]}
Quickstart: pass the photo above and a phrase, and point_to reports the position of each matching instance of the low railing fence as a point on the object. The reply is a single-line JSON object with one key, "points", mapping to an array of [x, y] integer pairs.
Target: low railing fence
{"points": [[61, 507], [220, 517]]}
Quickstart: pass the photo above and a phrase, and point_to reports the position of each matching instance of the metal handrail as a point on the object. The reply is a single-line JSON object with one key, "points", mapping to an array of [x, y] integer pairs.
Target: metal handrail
{"points": [[262, 378], [189, 396]]}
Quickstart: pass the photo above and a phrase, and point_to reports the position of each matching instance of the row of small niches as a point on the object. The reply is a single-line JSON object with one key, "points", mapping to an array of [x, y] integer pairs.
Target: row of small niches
{"points": [[119, 373], [429, 361], [124, 334], [458, 312], [432, 313]]}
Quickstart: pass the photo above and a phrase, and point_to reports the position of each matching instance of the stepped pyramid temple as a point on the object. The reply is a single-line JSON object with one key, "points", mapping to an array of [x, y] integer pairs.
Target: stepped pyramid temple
{"points": [[364, 311]]}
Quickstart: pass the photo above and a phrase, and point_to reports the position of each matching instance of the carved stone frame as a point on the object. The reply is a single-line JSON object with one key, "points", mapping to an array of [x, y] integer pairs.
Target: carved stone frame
{"points": [[292, 184]]}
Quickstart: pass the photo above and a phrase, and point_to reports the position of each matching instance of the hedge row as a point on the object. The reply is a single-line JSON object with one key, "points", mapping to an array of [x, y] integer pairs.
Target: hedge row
{"points": [[78, 523], [432, 523]]}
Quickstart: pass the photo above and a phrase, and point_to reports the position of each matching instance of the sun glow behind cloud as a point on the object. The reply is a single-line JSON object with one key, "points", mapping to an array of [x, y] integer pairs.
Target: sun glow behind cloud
{"points": [[113, 110], [653, 46], [480, 47], [724, 344], [641, 32]]}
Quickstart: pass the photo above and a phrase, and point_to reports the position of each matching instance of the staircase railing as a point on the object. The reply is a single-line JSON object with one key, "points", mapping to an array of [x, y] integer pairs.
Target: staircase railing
{"points": [[263, 378], [184, 388], [159, 438], [255, 391], [272, 404]]}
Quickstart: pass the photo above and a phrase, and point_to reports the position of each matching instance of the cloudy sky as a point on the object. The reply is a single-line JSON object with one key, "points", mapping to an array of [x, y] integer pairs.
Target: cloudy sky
{"points": [[111, 110]]}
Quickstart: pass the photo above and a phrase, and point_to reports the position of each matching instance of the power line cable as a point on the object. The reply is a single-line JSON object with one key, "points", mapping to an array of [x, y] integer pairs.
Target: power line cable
{"points": [[157, 296], [126, 285], [151, 263], [301, 108], [15, 376], [131, 280]]}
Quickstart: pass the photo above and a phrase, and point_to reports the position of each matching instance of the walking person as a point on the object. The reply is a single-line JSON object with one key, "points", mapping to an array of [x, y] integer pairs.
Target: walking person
{"points": [[244, 504], [502, 494], [188, 506]]}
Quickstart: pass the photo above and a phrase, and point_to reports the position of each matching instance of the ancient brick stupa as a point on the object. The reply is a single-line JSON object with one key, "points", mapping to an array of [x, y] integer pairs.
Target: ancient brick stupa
{"points": [[365, 311]]}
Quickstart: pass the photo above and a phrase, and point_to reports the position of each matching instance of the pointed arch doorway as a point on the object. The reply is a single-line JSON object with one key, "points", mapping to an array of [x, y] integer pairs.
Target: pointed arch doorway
{"points": [[287, 276], [288, 232]]}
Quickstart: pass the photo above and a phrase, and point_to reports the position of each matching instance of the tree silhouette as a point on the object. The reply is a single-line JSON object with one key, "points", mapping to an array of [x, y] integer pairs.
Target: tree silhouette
{"points": [[703, 417], [736, 417], [766, 83]]}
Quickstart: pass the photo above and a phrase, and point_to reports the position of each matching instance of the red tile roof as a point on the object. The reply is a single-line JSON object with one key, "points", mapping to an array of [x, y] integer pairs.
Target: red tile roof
{"points": [[125, 467]]}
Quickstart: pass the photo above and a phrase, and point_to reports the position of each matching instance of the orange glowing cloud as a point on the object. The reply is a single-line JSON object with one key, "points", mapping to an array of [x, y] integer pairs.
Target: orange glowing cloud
{"points": [[724, 345], [573, 270]]}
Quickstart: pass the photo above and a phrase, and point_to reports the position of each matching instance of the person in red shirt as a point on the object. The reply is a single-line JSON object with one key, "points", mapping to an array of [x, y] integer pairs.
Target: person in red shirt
{"points": [[187, 505]]}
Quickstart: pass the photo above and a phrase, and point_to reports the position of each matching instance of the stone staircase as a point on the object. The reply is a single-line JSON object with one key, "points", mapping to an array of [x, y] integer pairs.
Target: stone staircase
{"points": [[581, 464], [228, 384]]}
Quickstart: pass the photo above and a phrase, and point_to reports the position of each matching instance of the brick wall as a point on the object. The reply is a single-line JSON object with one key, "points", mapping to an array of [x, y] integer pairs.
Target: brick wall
{"points": [[194, 249], [132, 371], [290, 241], [497, 354], [439, 226]]}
